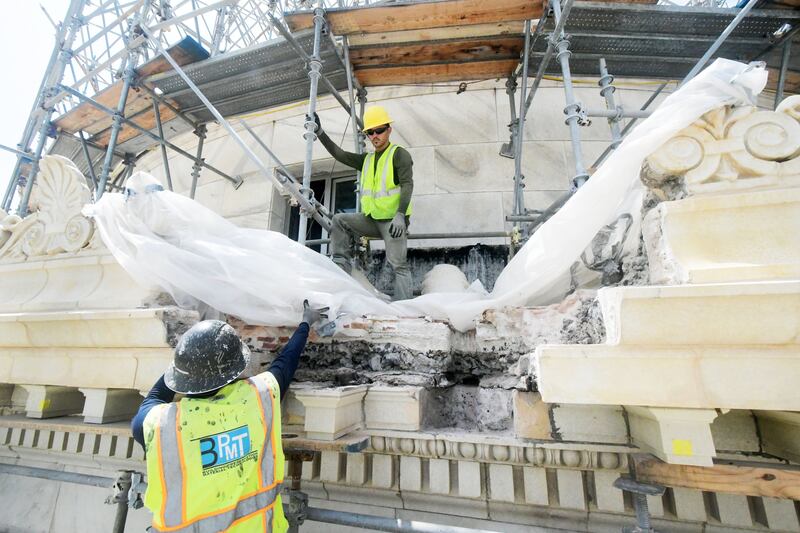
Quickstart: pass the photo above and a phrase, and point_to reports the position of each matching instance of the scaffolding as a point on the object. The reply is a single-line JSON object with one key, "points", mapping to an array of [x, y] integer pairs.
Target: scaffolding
{"points": [[157, 69]]}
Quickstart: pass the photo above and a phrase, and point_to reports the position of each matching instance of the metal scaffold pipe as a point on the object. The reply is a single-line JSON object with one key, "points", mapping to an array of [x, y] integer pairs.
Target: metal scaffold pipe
{"points": [[519, 131], [314, 67], [304, 202]]}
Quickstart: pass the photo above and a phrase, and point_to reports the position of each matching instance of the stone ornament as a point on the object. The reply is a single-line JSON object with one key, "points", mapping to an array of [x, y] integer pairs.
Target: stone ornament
{"points": [[55, 224], [555, 456], [732, 148]]}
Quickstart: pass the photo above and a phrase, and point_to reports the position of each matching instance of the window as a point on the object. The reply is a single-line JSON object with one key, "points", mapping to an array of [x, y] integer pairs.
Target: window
{"points": [[338, 194]]}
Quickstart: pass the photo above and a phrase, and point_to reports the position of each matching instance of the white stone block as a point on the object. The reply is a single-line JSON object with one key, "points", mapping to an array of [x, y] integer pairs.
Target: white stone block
{"points": [[726, 377], [106, 446], [725, 238], [410, 473], [356, 468], [310, 469], [608, 497], [458, 213], [535, 480], [531, 416], [590, 423], [734, 510], [74, 442], [677, 436], [501, 483], [383, 471], [439, 476], [469, 479], [655, 504], [17, 436], [689, 504], [292, 410], [762, 313], [59, 441], [570, 489], [331, 413], [91, 444], [123, 447], [29, 437], [332, 467], [109, 405], [45, 401], [781, 514], [396, 408]]}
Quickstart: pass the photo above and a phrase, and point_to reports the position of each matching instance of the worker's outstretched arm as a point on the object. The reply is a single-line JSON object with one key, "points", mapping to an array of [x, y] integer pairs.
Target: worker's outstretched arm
{"points": [[285, 365], [159, 394], [350, 159]]}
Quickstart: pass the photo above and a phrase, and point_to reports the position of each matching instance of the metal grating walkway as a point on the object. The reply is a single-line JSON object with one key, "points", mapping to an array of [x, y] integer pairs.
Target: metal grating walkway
{"points": [[641, 40]]}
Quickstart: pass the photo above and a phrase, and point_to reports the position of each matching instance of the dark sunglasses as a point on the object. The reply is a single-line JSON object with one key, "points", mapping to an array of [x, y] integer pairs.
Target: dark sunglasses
{"points": [[376, 131]]}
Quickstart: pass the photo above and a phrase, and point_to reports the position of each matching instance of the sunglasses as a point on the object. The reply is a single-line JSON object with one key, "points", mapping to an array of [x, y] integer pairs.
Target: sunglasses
{"points": [[376, 131]]}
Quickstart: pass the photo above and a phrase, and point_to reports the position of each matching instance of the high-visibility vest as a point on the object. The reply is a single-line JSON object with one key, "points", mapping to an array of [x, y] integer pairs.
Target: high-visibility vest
{"points": [[380, 194], [216, 464]]}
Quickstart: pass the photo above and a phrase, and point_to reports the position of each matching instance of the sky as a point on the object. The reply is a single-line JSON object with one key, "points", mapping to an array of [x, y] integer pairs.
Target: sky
{"points": [[26, 42]]}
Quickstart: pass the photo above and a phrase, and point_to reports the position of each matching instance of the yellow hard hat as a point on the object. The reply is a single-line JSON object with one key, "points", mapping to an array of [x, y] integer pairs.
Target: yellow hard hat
{"points": [[375, 116]]}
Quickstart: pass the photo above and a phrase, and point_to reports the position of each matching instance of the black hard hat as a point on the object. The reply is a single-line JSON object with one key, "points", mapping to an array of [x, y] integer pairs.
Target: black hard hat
{"points": [[209, 356]]}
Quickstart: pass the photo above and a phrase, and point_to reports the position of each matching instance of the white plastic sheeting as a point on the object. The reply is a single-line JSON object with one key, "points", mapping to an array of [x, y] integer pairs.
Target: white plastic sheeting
{"points": [[262, 277]]}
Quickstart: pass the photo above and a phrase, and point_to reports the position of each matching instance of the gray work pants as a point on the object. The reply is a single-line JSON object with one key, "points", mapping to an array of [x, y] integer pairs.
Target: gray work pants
{"points": [[349, 226]]}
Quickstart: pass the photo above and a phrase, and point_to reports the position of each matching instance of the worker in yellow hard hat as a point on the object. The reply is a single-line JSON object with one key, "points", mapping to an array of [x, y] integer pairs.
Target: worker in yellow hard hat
{"points": [[386, 187]]}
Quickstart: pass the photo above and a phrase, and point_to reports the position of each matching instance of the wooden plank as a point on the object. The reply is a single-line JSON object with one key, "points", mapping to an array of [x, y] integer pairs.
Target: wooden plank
{"points": [[479, 70], [146, 119], [437, 34], [420, 15], [90, 119], [774, 481], [438, 52]]}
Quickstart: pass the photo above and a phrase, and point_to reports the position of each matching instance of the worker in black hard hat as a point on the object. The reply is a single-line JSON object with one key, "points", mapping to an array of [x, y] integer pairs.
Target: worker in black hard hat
{"points": [[214, 459]]}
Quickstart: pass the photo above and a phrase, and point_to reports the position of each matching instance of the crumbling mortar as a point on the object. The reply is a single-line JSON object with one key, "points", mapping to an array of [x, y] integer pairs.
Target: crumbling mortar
{"points": [[176, 322]]}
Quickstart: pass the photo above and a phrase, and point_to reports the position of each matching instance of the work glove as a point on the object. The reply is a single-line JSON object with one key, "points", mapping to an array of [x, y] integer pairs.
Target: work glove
{"points": [[398, 225], [318, 125], [313, 314]]}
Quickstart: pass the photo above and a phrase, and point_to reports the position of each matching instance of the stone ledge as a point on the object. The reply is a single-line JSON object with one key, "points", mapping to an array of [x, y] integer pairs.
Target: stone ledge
{"points": [[725, 238], [763, 313], [86, 281], [728, 377], [156, 327], [119, 368]]}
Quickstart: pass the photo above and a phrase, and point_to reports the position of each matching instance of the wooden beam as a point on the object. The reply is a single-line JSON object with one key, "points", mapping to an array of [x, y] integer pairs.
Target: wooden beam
{"points": [[438, 52], [479, 70], [145, 119], [420, 15], [90, 119], [438, 34], [750, 479]]}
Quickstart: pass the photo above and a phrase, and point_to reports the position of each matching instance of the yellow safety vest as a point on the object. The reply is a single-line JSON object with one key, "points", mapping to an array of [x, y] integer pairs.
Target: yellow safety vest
{"points": [[216, 464], [380, 195]]}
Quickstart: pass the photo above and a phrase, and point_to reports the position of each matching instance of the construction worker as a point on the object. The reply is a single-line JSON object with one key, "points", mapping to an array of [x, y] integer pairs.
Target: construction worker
{"points": [[214, 459], [386, 187]]}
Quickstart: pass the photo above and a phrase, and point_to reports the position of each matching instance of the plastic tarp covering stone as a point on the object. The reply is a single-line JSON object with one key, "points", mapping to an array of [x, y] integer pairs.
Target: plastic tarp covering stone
{"points": [[165, 239]]}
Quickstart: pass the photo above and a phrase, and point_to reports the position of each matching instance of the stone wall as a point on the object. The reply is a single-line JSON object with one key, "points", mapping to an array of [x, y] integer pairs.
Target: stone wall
{"points": [[461, 184]]}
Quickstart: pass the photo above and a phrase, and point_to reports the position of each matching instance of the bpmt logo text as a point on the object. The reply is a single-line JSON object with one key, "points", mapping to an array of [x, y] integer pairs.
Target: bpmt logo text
{"points": [[224, 448]]}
